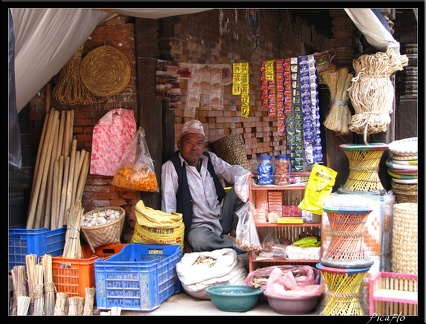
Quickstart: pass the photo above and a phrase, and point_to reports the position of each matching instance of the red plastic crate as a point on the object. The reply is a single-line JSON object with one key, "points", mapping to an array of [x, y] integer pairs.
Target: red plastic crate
{"points": [[73, 276]]}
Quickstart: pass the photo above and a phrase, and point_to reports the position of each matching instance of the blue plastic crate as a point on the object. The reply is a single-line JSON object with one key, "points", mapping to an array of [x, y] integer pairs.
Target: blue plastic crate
{"points": [[140, 277], [34, 241]]}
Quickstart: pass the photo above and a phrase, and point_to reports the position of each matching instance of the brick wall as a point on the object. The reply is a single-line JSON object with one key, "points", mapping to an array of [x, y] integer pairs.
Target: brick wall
{"points": [[228, 36], [212, 37]]}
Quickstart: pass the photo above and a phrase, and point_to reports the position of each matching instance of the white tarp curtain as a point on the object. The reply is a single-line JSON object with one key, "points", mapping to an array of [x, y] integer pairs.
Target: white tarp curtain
{"points": [[45, 39], [372, 28]]}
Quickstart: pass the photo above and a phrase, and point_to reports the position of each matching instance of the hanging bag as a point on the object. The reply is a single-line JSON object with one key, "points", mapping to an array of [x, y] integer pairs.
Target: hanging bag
{"points": [[111, 135], [136, 171]]}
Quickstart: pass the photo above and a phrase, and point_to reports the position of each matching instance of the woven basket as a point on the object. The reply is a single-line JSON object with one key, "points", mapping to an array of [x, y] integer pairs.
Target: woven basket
{"points": [[405, 193], [105, 71], [231, 149], [404, 238], [104, 234]]}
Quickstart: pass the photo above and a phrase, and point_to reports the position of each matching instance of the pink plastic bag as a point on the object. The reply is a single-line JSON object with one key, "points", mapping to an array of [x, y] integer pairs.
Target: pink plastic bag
{"points": [[111, 135]]}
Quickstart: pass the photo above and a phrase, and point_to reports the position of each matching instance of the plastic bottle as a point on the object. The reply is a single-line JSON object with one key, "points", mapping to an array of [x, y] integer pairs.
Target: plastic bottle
{"points": [[282, 170], [265, 170]]}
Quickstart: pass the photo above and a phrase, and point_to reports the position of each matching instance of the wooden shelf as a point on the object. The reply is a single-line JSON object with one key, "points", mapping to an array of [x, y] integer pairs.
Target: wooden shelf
{"points": [[291, 195]]}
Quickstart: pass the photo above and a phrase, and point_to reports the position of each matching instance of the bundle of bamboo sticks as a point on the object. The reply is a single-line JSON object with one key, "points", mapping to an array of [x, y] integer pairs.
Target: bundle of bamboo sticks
{"points": [[20, 290], [72, 248], [60, 172], [49, 286], [339, 115]]}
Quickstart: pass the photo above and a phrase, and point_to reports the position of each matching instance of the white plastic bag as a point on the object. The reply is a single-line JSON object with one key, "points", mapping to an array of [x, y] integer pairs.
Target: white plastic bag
{"points": [[247, 238], [200, 270]]}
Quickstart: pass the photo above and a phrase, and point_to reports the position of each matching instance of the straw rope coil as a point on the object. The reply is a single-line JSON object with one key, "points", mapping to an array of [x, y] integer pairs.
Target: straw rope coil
{"points": [[109, 233], [105, 71], [405, 238], [372, 92], [231, 149]]}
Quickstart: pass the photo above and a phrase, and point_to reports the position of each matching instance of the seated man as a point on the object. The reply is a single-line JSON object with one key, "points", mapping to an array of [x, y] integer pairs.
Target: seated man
{"points": [[190, 184]]}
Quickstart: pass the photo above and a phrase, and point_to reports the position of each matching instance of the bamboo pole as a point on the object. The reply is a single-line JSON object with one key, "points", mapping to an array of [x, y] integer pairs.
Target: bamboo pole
{"points": [[71, 174], [48, 96], [61, 133], [40, 148], [54, 214], [62, 210], [41, 206], [38, 176], [58, 188], [77, 168], [82, 178], [65, 145], [50, 180]]}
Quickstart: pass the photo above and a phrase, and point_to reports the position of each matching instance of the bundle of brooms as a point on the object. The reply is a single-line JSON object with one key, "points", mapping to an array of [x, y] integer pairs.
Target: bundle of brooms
{"points": [[339, 115], [49, 286], [19, 304], [72, 247], [70, 88]]}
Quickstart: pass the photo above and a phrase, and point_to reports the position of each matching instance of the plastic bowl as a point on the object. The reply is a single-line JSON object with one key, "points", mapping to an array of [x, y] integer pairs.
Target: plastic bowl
{"points": [[293, 305], [234, 298]]}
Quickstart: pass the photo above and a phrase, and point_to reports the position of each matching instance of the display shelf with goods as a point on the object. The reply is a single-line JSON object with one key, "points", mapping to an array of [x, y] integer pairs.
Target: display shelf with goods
{"points": [[276, 204]]}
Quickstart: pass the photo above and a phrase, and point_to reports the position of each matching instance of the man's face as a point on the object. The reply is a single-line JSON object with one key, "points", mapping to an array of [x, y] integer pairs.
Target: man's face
{"points": [[192, 147]]}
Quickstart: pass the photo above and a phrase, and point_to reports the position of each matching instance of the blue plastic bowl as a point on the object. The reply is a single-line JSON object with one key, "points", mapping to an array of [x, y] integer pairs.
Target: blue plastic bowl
{"points": [[234, 298]]}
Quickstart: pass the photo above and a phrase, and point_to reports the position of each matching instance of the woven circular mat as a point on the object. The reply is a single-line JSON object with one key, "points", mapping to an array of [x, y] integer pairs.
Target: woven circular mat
{"points": [[404, 238], [105, 71]]}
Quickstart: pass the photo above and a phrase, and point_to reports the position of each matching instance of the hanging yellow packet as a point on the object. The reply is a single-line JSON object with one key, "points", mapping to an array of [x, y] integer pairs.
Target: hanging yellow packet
{"points": [[318, 188]]}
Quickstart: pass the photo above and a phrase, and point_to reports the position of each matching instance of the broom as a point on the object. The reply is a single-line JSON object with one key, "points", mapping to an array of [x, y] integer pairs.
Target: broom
{"points": [[346, 113], [73, 305], [61, 300], [80, 306], [38, 290], [19, 287], [49, 286], [89, 301], [30, 261], [23, 305]]}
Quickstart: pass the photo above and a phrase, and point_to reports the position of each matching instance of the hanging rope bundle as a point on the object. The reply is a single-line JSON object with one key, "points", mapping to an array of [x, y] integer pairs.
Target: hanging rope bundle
{"points": [[70, 88], [372, 92]]}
